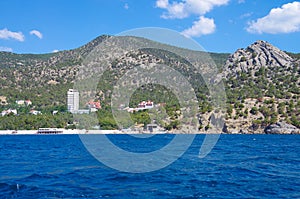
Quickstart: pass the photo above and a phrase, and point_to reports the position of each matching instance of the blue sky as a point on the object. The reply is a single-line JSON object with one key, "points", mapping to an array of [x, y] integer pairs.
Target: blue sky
{"points": [[41, 26]]}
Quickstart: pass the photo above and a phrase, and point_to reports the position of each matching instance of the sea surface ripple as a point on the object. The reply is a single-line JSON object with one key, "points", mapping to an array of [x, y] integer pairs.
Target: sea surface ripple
{"points": [[240, 166]]}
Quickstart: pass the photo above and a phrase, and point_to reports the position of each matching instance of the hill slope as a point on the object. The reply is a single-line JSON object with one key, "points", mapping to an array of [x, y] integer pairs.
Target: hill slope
{"points": [[262, 84], [263, 87]]}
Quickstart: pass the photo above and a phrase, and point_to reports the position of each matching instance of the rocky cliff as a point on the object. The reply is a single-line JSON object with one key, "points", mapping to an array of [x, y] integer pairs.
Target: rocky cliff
{"points": [[282, 128], [259, 54], [262, 88]]}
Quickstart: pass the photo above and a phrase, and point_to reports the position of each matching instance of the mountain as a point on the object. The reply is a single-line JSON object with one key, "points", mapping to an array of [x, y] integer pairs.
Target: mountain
{"points": [[40, 77], [262, 85], [260, 54]]}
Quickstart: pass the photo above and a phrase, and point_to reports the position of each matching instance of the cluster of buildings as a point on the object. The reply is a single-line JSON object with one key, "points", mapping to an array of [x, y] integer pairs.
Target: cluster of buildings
{"points": [[20, 103], [93, 106], [14, 111], [73, 103], [141, 106]]}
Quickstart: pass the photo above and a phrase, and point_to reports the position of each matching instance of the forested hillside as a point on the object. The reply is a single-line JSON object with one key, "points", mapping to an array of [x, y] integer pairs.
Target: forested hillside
{"points": [[262, 86]]}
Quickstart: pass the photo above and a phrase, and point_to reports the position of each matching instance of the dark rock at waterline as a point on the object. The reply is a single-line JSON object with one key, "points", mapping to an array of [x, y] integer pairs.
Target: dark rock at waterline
{"points": [[281, 128]]}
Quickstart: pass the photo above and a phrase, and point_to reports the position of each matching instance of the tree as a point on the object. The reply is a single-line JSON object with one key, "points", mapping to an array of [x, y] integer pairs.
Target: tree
{"points": [[254, 110]]}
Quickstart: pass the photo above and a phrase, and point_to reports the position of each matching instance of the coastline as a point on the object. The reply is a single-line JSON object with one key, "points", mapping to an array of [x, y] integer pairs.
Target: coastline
{"points": [[64, 132], [104, 132]]}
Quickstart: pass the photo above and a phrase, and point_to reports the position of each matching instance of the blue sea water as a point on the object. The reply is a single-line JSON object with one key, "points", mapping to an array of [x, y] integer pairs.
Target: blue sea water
{"points": [[239, 166]]}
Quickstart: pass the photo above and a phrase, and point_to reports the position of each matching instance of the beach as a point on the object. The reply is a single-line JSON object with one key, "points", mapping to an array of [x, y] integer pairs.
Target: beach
{"points": [[64, 132]]}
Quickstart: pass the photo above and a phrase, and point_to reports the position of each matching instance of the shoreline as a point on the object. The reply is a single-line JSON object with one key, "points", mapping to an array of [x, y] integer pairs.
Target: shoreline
{"points": [[64, 132], [119, 132]]}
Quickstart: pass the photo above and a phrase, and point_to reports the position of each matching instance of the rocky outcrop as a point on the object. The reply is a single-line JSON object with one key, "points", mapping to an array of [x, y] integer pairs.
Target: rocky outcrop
{"points": [[259, 54], [282, 128]]}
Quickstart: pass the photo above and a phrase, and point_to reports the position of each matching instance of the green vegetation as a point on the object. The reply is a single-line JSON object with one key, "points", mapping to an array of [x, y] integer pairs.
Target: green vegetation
{"points": [[262, 95], [33, 122]]}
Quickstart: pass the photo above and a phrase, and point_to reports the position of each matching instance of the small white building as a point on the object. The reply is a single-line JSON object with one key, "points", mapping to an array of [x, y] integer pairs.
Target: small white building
{"points": [[141, 106], [145, 105], [24, 102], [28, 103], [6, 112], [35, 112], [20, 102], [92, 110]]}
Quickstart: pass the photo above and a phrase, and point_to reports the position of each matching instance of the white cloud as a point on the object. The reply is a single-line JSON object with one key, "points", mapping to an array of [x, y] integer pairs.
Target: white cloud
{"points": [[36, 33], [241, 1], [280, 20], [203, 26], [6, 49], [185, 8], [55, 51], [162, 3], [6, 34], [177, 10]]}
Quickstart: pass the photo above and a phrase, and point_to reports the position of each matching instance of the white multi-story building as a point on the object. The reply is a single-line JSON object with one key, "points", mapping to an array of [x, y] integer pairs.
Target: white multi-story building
{"points": [[73, 100]]}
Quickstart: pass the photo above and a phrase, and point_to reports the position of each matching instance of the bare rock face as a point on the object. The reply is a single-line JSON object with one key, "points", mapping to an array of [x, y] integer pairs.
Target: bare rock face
{"points": [[282, 128], [259, 54]]}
